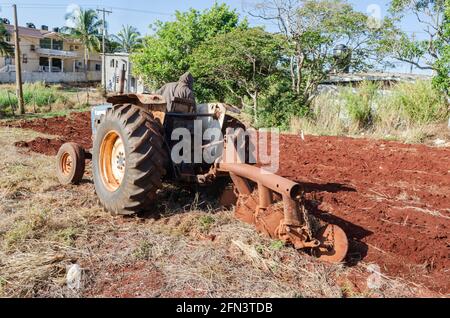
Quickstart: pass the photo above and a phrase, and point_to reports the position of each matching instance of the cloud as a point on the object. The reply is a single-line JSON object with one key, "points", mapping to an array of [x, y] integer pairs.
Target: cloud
{"points": [[73, 9]]}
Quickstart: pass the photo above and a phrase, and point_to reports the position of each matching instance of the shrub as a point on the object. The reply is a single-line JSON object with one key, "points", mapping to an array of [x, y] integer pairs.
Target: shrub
{"points": [[359, 104], [279, 105], [324, 118], [403, 112], [413, 103]]}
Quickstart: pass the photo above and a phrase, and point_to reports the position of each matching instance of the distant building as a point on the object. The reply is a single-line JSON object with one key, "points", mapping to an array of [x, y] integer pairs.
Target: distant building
{"points": [[386, 79], [114, 64], [335, 82], [49, 56]]}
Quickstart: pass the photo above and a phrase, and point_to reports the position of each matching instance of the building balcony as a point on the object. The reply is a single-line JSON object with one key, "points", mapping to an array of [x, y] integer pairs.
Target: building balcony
{"points": [[56, 53]]}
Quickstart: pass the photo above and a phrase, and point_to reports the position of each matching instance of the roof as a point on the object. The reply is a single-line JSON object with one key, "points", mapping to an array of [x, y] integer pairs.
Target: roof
{"points": [[23, 31], [386, 77], [33, 33], [117, 54]]}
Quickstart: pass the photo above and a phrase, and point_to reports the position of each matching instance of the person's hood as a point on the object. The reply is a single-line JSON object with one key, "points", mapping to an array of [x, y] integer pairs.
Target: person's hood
{"points": [[187, 79]]}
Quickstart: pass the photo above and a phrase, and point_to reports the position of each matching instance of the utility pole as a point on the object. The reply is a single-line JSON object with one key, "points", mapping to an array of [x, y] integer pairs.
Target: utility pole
{"points": [[104, 11], [19, 90]]}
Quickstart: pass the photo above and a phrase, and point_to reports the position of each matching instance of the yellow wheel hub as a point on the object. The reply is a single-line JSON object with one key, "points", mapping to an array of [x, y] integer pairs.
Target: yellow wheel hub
{"points": [[112, 161], [66, 163]]}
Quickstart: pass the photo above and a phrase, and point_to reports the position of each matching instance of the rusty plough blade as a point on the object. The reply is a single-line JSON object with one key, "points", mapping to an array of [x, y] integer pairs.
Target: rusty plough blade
{"points": [[273, 208]]}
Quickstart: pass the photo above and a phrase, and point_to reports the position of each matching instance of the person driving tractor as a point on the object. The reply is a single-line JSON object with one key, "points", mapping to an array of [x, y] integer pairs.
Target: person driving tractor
{"points": [[184, 88]]}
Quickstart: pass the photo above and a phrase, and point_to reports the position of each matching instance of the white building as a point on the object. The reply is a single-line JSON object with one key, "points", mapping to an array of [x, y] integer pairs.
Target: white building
{"points": [[48, 56], [115, 63]]}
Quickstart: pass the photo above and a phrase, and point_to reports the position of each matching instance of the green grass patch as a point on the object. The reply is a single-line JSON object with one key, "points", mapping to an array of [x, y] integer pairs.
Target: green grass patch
{"points": [[205, 223], [25, 229], [359, 104], [277, 245], [65, 236], [143, 251], [35, 95]]}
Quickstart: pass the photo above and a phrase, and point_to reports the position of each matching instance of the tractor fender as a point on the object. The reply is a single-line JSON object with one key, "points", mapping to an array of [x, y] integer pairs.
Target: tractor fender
{"points": [[150, 101], [156, 104]]}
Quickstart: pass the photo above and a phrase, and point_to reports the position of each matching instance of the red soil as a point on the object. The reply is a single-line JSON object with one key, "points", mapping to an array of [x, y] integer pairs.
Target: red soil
{"points": [[392, 199], [139, 280], [75, 128]]}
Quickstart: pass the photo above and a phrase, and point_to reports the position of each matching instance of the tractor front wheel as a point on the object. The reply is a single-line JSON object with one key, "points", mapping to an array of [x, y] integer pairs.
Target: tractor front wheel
{"points": [[70, 163], [129, 159]]}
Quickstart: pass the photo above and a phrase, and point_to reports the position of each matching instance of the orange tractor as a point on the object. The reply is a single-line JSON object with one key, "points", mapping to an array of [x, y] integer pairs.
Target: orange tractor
{"points": [[131, 157]]}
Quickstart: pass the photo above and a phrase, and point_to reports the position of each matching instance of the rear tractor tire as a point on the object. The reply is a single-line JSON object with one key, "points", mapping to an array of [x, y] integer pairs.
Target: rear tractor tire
{"points": [[129, 159], [70, 164]]}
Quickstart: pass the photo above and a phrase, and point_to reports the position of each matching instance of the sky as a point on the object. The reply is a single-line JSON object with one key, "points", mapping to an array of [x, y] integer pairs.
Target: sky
{"points": [[141, 13]]}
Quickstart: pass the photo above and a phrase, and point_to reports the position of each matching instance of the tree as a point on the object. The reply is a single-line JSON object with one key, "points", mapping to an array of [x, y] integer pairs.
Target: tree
{"points": [[6, 49], [241, 61], [111, 45], [165, 55], [442, 65], [85, 26], [312, 29], [429, 53], [128, 39]]}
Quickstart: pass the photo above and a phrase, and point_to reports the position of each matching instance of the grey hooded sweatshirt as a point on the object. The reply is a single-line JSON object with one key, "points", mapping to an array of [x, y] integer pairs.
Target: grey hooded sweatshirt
{"points": [[184, 88]]}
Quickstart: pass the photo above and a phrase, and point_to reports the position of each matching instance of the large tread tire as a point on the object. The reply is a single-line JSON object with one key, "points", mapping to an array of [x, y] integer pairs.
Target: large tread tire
{"points": [[146, 159], [75, 154]]}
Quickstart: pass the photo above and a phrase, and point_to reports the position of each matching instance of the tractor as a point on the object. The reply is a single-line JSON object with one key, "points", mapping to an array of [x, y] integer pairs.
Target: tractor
{"points": [[132, 155]]}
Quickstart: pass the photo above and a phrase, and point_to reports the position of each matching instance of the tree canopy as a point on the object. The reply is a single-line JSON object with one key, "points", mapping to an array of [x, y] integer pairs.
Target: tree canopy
{"points": [[276, 75], [5, 48], [428, 53], [85, 26], [165, 54], [128, 39], [240, 62]]}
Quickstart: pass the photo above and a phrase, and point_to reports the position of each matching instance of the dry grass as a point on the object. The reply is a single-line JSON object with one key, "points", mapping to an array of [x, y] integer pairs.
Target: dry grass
{"points": [[187, 247], [410, 112]]}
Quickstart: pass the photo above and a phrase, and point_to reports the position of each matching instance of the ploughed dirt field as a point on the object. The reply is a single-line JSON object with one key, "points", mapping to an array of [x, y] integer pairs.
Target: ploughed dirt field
{"points": [[392, 199], [75, 128]]}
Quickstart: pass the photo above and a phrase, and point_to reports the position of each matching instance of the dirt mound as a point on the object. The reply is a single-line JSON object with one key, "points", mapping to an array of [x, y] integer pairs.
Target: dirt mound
{"points": [[392, 199], [42, 145], [74, 128]]}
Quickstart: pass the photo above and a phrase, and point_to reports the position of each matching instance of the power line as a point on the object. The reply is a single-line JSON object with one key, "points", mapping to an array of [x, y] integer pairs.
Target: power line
{"points": [[89, 6], [104, 12]]}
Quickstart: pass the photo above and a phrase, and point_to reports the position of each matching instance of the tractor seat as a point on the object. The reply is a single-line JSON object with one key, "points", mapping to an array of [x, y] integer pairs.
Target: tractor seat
{"points": [[182, 105]]}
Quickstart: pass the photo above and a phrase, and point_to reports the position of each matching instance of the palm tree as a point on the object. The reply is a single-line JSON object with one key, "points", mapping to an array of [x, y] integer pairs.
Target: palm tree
{"points": [[85, 25], [6, 49], [128, 38]]}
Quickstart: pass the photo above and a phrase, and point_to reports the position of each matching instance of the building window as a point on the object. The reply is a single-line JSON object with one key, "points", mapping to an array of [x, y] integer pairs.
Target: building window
{"points": [[98, 67], [24, 59], [43, 64], [45, 43], [32, 48], [8, 38], [58, 45], [71, 48], [78, 66], [49, 44], [112, 63], [8, 60]]}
